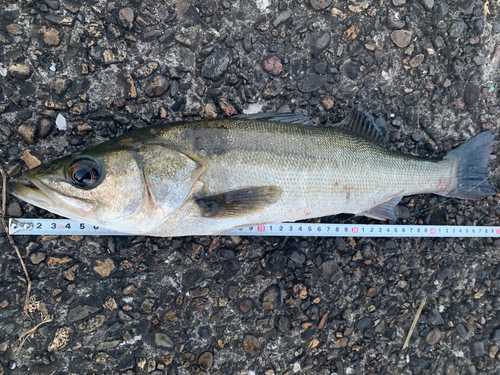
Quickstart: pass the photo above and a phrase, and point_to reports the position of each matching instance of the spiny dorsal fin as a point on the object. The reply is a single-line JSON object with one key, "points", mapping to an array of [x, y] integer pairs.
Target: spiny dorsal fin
{"points": [[361, 123], [239, 202], [286, 118]]}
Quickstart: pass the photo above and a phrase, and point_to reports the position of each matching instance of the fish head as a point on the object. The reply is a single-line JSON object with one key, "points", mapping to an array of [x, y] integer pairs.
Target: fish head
{"points": [[105, 189]]}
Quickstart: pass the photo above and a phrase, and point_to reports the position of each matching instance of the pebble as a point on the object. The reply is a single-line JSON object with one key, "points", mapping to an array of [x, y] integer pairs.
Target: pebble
{"points": [[30, 160], [126, 17], [192, 277], [129, 289], [52, 4], [311, 83], [206, 361], [427, 4], [462, 332], [351, 70], [251, 344], [44, 127], [401, 38], [186, 36], [398, 3], [51, 36], [273, 65], [433, 337], [471, 94], [331, 271], [104, 268], [145, 70], [496, 335], [417, 60], [14, 29], [320, 4], [226, 254], [20, 71], [319, 43], [456, 29], [14, 209], [363, 323], [393, 20], [128, 85], [271, 298], [60, 20], [27, 132], [478, 349], [418, 364], [282, 18], [157, 87], [162, 340], [435, 317], [215, 66]]}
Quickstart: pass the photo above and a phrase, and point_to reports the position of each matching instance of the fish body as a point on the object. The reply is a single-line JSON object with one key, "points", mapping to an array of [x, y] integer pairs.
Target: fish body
{"points": [[206, 177]]}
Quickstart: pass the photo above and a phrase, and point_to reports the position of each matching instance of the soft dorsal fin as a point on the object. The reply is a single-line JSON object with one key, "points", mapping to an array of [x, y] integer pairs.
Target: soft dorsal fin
{"points": [[361, 123], [286, 118]]}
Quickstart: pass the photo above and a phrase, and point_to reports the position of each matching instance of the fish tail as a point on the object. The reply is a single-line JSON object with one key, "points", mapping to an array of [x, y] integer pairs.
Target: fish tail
{"points": [[472, 158]]}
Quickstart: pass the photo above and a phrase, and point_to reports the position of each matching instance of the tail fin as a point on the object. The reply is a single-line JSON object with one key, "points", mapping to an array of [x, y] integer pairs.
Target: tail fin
{"points": [[472, 159]]}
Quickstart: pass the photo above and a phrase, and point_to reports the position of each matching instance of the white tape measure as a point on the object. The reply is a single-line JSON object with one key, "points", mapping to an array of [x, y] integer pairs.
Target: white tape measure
{"points": [[66, 227]]}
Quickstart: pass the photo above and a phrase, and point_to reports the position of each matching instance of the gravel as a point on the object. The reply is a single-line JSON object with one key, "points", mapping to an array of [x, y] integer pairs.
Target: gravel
{"points": [[427, 70]]}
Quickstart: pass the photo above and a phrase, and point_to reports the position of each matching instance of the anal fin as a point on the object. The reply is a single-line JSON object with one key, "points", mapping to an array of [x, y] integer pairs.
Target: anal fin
{"points": [[384, 211], [239, 202]]}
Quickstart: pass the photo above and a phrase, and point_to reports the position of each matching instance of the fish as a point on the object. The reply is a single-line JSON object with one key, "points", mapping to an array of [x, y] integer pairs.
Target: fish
{"points": [[209, 176]]}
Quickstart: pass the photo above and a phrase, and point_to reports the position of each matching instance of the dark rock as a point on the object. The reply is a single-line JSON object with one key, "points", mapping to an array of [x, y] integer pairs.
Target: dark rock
{"points": [[478, 349], [163, 341], [433, 337], [496, 335], [351, 70], [312, 312], [320, 4], [251, 344], [187, 36], [60, 20], [435, 318], [479, 27], [192, 277], [80, 312], [363, 323], [319, 43], [311, 83], [411, 99], [456, 29], [296, 259], [471, 94], [282, 18], [152, 35], [443, 273], [52, 4], [394, 21], [226, 254], [157, 87], [20, 71], [215, 66], [205, 332], [427, 4], [417, 364], [331, 271]]}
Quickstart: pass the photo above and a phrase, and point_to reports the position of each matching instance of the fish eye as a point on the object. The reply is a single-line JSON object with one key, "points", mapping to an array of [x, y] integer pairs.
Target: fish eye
{"points": [[85, 173]]}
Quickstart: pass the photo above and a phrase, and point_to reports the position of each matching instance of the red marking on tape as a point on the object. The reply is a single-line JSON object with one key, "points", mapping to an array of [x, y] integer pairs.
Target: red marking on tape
{"points": [[261, 228], [354, 229], [433, 230], [60, 227], [498, 231]]}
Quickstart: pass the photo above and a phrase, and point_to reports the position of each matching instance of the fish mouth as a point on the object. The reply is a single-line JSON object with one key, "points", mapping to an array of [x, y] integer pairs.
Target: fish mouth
{"points": [[32, 194]]}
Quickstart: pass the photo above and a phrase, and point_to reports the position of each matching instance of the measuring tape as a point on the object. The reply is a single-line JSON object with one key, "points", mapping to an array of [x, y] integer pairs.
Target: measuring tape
{"points": [[66, 227]]}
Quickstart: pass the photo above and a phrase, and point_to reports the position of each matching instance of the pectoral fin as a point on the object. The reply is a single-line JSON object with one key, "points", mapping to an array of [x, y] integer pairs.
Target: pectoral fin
{"points": [[384, 211], [239, 202]]}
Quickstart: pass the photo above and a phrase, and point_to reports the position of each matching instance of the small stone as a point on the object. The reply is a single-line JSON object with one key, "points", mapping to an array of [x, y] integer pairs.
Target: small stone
{"points": [[4, 346], [456, 29], [272, 89], [27, 132], [273, 65], [251, 344], [394, 21], [245, 305], [206, 361], [52, 4], [418, 364], [402, 284], [331, 271], [282, 18], [271, 298], [492, 352], [44, 127], [209, 111], [478, 349], [60, 20], [351, 70], [186, 36], [401, 38], [435, 317], [104, 268], [327, 102], [145, 70], [80, 312], [215, 66], [129, 90], [227, 107], [463, 333], [471, 94], [363, 323], [129, 289], [162, 340], [350, 34], [433, 337], [126, 17], [60, 85], [14, 209], [416, 61], [30, 160], [61, 122], [398, 3], [20, 71], [320, 4], [311, 83], [157, 87], [340, 343], [427, 4], [14, 29], [319, 43]]}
